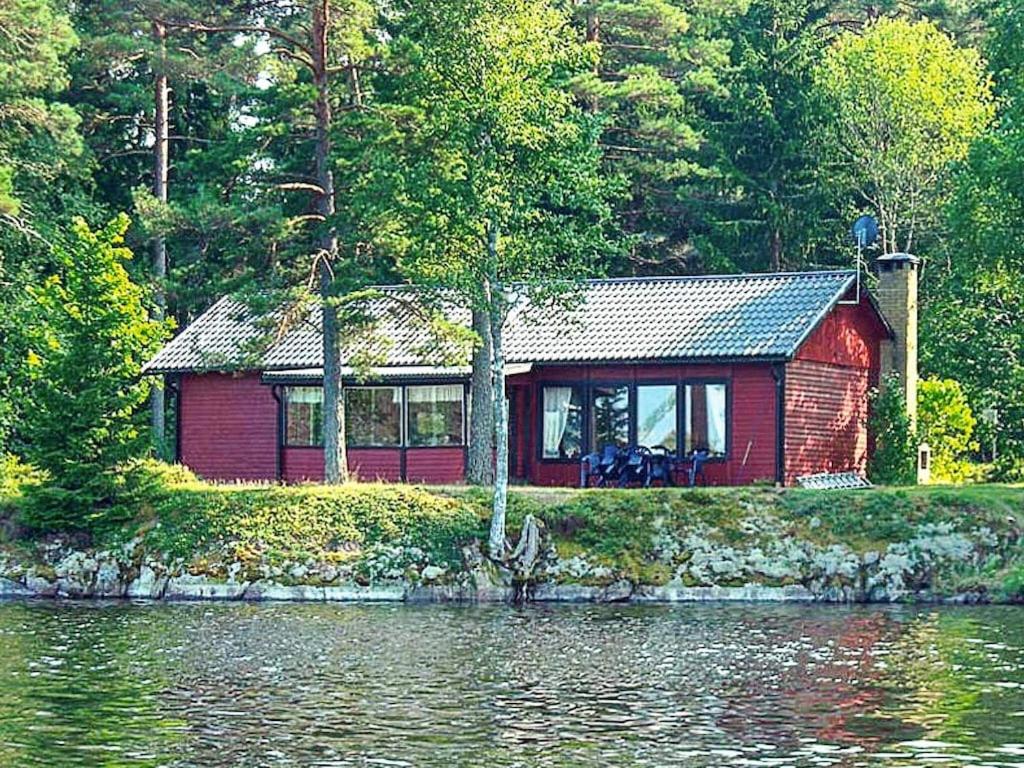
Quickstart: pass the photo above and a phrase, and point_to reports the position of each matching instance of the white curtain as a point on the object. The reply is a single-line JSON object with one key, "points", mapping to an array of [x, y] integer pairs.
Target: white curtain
{"points": [[556, 416], [716, 417], [305, 395], [441, 393]]}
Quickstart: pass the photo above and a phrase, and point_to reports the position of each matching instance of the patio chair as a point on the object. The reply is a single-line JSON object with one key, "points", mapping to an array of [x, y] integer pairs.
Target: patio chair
{"points": [[661, 465], [635, 467], [609, 465], [698, 459]]}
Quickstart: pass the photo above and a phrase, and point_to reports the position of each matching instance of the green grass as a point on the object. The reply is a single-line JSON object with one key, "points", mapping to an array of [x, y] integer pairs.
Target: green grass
{"points": [[186, 518], [293, 523]]}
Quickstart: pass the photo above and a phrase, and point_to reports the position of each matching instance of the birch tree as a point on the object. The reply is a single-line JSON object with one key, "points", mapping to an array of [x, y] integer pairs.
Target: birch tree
{"points": [[503, 196]]}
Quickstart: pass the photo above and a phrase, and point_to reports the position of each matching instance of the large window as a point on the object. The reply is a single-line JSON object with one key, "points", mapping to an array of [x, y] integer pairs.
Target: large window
{"points": [[656, 416], [436, 415], [563, 422], [373, 416], [609, 416], [705, 418], [304, 413]]}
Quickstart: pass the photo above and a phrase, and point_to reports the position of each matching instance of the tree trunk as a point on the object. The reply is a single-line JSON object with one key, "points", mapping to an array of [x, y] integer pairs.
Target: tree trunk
{"points": [[335, 459], [776, 250], [496, 540], [480, 462], [161, 99]]}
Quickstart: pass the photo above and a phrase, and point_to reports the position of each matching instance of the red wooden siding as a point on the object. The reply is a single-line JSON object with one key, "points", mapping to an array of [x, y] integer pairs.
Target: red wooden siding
{"points": [[371, 464], [228, 427], [435, 465], [849, 335], [751, 416], [827, 392], [826, 418], [229, 423], [302, 464]]}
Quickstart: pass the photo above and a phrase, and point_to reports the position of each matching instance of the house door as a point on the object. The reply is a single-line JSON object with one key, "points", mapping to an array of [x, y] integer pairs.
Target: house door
{"points": [[515, 411]]}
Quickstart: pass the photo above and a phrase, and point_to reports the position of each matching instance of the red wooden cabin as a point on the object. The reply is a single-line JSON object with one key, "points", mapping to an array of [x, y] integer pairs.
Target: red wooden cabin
{"points": [[769, 372]]}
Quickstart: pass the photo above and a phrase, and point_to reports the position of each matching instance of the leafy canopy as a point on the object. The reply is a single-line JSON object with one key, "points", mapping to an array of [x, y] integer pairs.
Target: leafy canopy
{"points": [[906, 102]]}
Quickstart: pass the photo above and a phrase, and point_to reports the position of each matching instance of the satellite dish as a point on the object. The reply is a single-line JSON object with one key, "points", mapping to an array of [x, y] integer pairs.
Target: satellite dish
{"points": [[865, 231]]}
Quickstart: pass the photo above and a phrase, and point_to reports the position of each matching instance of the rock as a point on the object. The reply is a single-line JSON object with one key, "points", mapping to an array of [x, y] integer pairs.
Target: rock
{"points": [[618, 592], [233, 570], [108, 581], [9, 588], [432, 573], [149, 584], [298, 571], [39, 585], [282, 593], [565, 593], [188, 587]]}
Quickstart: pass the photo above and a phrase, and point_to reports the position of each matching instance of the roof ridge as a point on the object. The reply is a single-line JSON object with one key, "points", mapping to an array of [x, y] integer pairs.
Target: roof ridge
{"points": [[668, 278]]}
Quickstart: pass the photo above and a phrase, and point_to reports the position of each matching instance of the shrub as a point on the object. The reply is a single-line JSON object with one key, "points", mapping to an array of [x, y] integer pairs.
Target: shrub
{"points": [[293, 522], [946, 424], [894, 461]]}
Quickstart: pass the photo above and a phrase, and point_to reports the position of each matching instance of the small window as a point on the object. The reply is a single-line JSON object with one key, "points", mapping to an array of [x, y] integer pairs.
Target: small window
{"points": [[656, 416], [304, 416], [563, 422], [373, 416], [705, 418], [436, 415], [609, 417]]}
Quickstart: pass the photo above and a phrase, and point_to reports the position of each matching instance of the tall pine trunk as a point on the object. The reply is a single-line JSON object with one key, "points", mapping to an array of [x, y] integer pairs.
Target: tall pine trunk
{"points": [[161, 99], [480, 462], [335, 459]]}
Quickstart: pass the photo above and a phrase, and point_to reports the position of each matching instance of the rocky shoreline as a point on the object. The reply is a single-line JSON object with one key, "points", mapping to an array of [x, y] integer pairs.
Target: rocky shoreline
{"points": [[939, 565]]}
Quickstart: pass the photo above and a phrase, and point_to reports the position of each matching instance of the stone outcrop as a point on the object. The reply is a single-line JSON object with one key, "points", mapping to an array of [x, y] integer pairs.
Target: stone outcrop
{"points": [[769, 565]]}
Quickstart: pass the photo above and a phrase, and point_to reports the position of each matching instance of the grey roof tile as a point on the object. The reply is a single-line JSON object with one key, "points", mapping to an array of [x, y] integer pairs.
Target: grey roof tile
{"points": [[756, 316]]}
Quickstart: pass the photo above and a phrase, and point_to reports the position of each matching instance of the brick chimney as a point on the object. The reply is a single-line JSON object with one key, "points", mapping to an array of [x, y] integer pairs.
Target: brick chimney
{"points": [[897, 298]]}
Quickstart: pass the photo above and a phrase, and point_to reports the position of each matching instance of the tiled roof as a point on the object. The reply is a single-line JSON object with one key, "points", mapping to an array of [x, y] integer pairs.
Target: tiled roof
{"points": [[217, 340], [757, 316]]}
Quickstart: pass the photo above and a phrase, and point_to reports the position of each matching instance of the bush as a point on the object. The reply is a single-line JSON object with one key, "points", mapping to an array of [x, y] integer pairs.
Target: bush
{"points": [[894, 461], [946, 424], [294, 522]]}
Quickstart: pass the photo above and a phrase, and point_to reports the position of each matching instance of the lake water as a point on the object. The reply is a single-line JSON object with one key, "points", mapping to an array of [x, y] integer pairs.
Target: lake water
{"points": [[319, 685]]}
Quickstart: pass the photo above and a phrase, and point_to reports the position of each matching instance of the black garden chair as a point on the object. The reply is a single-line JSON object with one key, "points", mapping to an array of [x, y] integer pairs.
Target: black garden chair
{"points": [[635, 466], [661, 466], [602, 468]]}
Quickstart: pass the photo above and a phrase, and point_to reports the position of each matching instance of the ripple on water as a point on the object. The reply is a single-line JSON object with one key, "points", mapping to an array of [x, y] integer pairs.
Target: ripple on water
{"points": [[225, 685]]}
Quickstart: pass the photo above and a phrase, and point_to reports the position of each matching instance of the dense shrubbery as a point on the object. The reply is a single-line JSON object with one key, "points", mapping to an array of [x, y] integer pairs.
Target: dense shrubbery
{"points": [[894, 459], [296, 522], [946, 424]]}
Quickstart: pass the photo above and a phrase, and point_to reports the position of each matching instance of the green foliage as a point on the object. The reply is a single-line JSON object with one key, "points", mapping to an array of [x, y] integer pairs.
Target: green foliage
{"points": [[661, 62], [90, 336], [906, 102], [946, 424], [764, 203], [973, 328], [494, 146], [293, 523], [894, 460]]}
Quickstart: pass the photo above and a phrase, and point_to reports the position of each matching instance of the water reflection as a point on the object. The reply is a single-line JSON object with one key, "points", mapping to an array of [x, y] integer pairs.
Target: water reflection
{"points": [[225, 685]]}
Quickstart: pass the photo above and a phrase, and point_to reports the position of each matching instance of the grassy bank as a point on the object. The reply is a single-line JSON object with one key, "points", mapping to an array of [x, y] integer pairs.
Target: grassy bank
{"points": [[935, 539]]}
